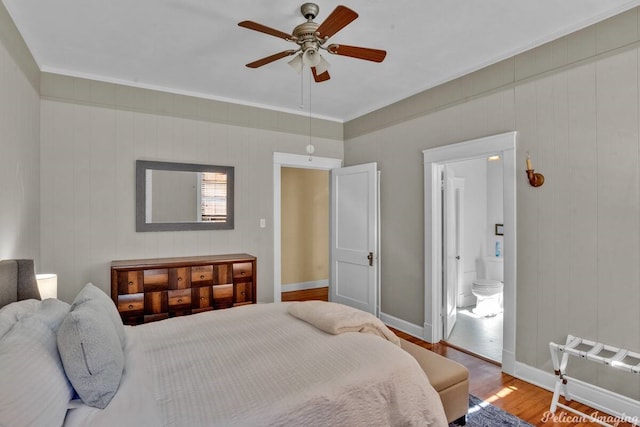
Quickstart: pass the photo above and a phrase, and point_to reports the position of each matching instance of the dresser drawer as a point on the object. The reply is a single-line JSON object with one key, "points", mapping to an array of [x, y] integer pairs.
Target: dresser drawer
{"points": [[222, 296], [156, 280], [222, 274], [242, 292], [202, 275], [180, 278], [180, 299], [131, 304], [155, 302], [130, 282], [201, 297], [242, 269]]}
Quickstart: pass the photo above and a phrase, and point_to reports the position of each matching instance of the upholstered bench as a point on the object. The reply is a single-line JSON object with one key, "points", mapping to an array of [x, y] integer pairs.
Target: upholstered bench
{"points": [[449, 378]]}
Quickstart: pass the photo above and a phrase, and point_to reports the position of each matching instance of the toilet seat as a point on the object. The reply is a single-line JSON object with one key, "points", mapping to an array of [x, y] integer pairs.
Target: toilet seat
{"points": [[486, 288]]}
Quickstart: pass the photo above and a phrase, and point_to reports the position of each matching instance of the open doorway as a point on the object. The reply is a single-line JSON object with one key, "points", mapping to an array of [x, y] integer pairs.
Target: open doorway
{"points": [[472, 221], [435, 292], [280, 161], [304, 233]]}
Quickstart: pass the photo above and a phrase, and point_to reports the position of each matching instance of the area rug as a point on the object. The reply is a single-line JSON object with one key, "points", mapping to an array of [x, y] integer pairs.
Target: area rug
{"points": [[483, 414]]}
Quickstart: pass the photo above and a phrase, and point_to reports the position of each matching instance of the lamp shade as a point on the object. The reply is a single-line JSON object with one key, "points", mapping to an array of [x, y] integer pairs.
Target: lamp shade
{"points": [[47, 285]]}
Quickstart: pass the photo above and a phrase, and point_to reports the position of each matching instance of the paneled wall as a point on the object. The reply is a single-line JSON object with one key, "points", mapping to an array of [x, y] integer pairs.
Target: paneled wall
{"points": [[19, 145], [574, 104], [92, 134]]}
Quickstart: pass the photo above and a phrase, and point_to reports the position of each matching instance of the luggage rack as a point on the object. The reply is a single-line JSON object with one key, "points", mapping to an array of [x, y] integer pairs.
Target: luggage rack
{"points": [[604, 354]]}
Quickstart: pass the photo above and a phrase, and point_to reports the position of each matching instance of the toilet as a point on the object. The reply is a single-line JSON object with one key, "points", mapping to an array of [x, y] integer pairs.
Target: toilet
{"points": [[487, 288]]}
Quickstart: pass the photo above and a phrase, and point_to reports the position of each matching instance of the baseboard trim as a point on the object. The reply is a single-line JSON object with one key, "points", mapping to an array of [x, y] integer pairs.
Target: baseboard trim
{"points": [[402, 325], [615, 404], [303, 286], [508, 362]]}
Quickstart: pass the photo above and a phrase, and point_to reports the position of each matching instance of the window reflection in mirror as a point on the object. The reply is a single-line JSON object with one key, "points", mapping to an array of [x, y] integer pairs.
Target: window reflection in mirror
{"points": [[183, 196]]}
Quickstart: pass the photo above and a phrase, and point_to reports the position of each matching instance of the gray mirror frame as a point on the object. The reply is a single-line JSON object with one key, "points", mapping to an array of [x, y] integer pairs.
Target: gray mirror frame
{"points": [[141, 225]]}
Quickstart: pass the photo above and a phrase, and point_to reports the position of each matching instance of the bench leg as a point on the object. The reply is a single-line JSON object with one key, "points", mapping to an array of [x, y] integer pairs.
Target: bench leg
{"points": [[461, 421]]}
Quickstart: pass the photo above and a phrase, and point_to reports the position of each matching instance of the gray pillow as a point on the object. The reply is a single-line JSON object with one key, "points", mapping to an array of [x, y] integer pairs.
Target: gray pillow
{"points": [[91, 353], [90, 292]]}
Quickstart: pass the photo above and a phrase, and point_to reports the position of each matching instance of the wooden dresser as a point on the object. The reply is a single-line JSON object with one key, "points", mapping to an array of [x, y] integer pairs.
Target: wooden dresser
{"points": [[146, 290]]}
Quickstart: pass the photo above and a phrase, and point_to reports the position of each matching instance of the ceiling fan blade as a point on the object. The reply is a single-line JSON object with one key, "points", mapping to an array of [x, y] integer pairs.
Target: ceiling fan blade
{"points": [[269, 59], [365, 53], [319, 78], [264, 29], [339, 18]]}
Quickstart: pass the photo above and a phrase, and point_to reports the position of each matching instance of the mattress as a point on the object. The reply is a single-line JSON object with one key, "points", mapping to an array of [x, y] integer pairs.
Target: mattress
{"points": [[257, 365]]}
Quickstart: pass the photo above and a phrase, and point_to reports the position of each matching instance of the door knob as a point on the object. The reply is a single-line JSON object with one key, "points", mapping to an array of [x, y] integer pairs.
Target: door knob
{"points": [[370, 258], [458, 257]]}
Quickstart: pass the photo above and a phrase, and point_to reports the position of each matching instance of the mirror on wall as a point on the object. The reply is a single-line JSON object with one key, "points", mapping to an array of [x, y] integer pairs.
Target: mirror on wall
{"points": [[183, 196]]}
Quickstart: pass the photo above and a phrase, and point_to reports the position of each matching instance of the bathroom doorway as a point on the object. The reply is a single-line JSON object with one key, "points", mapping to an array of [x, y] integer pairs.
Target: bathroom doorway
{"points": [[434, 161], [472, 242]]}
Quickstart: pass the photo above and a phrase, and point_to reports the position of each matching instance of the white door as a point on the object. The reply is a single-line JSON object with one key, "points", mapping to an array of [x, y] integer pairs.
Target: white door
{"points": [[452, 218], [354, 237]]}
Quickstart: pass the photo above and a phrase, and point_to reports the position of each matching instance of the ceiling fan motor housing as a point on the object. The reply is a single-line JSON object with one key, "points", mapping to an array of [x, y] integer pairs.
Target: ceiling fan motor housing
{"points": [[309, 10]]}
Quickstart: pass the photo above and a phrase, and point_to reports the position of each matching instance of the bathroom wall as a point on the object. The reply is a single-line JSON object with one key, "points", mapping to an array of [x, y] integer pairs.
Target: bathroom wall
{"points": [[495, 210]]}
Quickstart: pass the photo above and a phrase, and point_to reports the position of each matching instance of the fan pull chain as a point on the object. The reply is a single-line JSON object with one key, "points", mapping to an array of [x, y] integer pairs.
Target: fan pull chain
{"points": [[310, 146]]}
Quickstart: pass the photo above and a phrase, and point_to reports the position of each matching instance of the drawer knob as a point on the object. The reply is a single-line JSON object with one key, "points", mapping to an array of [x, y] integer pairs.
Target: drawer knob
{"points": [[130, 283], [201, 298], [130, 306], [202, 277], [180, 300], [179, 279], [242, 273], [242, 293]]}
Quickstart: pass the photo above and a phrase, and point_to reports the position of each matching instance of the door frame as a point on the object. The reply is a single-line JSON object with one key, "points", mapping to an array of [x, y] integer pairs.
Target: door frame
{"points": [[288, 160], [505, 145], [458, 197]]}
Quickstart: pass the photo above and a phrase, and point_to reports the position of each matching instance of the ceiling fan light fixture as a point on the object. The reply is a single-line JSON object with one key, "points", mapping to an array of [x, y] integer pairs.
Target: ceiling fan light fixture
{"points": [[311, 58], [323, 65], [296, 63], [310, 38]]}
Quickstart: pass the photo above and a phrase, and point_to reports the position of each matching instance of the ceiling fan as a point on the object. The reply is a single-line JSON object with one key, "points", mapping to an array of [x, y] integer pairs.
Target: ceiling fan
{"points": [[311, 37]]}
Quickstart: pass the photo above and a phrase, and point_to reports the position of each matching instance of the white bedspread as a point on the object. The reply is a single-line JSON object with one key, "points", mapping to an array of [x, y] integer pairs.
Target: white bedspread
{"points": [[259, 366]]}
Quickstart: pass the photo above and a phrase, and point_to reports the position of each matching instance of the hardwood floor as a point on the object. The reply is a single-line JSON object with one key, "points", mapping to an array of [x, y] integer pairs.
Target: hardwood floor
{"points": [[306, 295], [487, 381], [525, 400]]}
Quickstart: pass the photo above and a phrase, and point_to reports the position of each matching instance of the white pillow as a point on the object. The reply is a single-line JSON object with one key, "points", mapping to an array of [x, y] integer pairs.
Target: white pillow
{"points": [[9, 313], [34, 390], [50, 311], [91, 353]]}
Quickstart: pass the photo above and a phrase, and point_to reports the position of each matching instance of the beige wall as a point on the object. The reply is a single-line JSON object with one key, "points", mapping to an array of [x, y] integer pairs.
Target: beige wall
{"points": [[305, 225], [574, 104], [92, 134], [19, 146]]}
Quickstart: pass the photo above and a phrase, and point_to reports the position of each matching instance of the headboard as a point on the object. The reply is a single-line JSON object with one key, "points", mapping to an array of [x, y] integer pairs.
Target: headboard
{"points": [[17, 281]]}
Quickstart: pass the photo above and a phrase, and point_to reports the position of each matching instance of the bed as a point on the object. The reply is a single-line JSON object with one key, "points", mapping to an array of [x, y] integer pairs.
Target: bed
{"points": [[255, 365]]}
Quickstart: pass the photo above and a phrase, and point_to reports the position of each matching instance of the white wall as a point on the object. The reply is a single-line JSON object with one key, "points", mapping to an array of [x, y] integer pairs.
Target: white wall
{"points": [[19, 146], [88, 180], [574, 103]]}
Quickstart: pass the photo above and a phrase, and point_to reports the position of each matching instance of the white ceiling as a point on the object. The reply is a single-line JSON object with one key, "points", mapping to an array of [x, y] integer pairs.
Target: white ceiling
{"points": [[195, 46]]}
